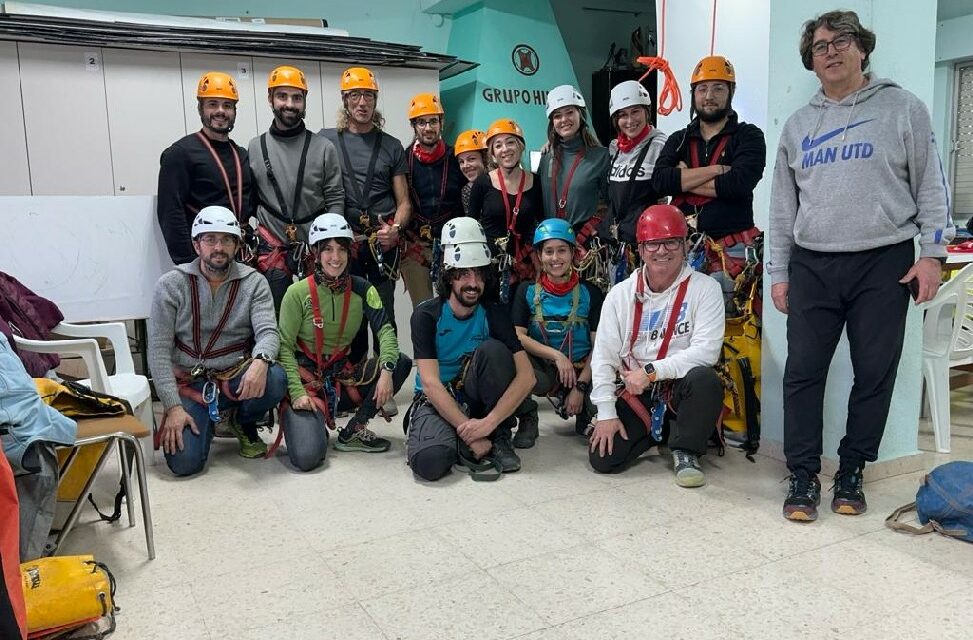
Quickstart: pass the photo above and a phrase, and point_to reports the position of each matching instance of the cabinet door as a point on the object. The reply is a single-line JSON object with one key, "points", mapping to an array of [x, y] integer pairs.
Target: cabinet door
{"points": [[145, 115], [331, 92], [15, 177], [312, 72], [66, 120], [241, 68]]}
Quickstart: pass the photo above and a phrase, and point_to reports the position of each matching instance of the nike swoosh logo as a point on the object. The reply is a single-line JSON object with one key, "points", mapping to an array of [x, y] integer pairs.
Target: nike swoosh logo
{"points": [[807, 144]]}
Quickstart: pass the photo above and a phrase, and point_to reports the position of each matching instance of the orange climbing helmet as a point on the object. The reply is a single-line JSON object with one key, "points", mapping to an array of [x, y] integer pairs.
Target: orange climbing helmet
{"points": [[286, 76], [504, 125], [425, 104], [470, 140], [216, 84], [358, 78], [713, 68]]}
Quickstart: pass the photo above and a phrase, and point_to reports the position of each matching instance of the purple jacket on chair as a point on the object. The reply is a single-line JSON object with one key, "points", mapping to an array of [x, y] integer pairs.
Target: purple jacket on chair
{"points": [[28, 315]]}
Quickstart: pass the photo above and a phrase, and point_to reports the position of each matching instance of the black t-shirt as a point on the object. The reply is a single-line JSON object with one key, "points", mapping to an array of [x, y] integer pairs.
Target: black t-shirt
{"points": [[434, 201], [190, 179], [486, 205], [439, 335]]}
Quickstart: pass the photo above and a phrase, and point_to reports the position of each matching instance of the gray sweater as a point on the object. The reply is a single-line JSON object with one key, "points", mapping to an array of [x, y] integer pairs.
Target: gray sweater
{"points": [[252, 318], [858, 174], [322, 190]]}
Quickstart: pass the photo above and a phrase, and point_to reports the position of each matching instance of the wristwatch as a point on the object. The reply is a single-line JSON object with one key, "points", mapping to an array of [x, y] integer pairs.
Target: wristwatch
{"points": [[388, 366], [262, 356], [649, 370], [582, 386]]}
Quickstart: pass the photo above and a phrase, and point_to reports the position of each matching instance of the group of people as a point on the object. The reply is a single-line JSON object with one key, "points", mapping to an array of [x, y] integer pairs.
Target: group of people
{"points": [[288, 253]]}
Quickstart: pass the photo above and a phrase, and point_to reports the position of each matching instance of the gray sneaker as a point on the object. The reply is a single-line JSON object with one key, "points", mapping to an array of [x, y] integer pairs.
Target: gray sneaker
{"points": [[687, 470]]}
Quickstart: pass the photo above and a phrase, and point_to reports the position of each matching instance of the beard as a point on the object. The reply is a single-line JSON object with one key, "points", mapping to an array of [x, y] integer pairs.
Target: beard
{"points": [[713, 116], [218, 268], [228, 127], [290, 118], [460, 299]]}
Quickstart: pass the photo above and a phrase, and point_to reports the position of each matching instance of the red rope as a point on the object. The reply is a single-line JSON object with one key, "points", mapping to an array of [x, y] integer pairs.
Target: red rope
{"points": [[670, 98]]}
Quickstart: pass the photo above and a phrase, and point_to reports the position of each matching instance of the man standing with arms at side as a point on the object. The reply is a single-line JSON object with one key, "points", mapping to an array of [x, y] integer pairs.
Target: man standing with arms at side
{"points": [[857, 178], [205, 168], [711, 168], [374, 172], [435, 186], [297, 176]]}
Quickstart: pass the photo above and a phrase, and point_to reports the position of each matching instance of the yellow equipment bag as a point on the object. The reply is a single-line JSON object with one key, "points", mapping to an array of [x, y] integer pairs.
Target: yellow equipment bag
{"points": [[740, 370], [66, 592]]}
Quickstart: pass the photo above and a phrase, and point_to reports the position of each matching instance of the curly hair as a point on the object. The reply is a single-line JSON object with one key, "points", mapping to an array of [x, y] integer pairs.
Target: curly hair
{"points": [[839, 22], [378, 121], [444, 283]]}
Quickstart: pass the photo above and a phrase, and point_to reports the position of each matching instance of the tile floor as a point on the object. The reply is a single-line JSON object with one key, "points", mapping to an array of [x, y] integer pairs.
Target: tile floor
{"points": [[359, 550]]}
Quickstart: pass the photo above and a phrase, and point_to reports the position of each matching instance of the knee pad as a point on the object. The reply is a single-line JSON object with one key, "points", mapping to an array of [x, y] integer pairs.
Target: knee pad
{"points": [[432, 463]]}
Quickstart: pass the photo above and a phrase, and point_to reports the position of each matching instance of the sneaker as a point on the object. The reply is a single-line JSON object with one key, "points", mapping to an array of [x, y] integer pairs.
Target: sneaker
{"points": [[526, 434], [849, 498], [803, 497], [362, 439], [251, 446], [582, 424], [686, 467], [503, 450], [390, 408]]}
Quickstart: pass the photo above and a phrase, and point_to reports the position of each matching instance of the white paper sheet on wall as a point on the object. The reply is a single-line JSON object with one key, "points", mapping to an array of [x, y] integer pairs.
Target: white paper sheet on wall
{"points": [[96, 257]]}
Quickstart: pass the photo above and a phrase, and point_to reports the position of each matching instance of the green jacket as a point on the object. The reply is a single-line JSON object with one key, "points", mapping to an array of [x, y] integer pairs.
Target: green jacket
{"points": [[297, 322]]}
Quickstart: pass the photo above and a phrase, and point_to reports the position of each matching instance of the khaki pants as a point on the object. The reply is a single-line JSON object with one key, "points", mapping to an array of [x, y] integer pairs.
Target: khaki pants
{"points": [[414, 274]]}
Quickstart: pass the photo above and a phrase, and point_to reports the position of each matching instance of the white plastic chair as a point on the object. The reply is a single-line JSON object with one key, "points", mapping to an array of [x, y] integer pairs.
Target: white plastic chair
{"points": [[947, 342], [124, 383]]}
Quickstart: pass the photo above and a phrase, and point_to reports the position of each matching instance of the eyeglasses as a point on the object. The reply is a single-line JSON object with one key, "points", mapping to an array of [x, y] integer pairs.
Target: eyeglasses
{"points": [[671, 244], [431, 123], [212, 241], [358, 96], [840, 43], [716, 88]]}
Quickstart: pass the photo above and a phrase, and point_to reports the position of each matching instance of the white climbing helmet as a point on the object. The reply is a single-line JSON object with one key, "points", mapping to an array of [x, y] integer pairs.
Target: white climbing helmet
{"points": [[327, 226], [462, 230], [563, 96], [216, 219], [466, 255], [628, 93]]}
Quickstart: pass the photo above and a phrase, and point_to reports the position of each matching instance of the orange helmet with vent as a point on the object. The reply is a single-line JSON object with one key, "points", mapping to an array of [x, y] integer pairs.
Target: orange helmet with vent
{"points": [[216, 84], [470, 140], [358, 78], [713, 68], [287, 76]]}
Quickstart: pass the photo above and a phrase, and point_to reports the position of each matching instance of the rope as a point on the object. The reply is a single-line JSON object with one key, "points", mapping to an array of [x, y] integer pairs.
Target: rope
{"points": [[670, 98], [712, 36]]}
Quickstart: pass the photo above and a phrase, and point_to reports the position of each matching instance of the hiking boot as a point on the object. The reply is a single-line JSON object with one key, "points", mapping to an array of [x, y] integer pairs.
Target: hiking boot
{"points": [[360, 439], [849, 498], [251, 446], [526, 434], [803, 497], [686, 467], [503, 450]]}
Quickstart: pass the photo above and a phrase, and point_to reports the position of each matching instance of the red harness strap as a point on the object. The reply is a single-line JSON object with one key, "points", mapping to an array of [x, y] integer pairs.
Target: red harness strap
{"points": [[196, 351], [633, 401], [561, 202], [522, 264], [717, 260], [692, 198], [236, 204], [274, 259], [313, 380]]}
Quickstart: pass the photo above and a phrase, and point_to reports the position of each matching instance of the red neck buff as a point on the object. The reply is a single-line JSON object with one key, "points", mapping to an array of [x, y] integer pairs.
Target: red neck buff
{"points": [[559, 288], [428, 157], [626, 144]]}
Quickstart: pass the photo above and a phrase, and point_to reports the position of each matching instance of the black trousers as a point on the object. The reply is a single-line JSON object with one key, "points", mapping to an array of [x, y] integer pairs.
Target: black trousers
{"points": [[858, 291], [364, 265], [697, 400]]}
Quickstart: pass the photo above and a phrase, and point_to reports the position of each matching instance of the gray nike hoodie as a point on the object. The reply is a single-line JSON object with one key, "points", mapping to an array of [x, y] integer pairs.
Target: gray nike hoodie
{"points": [[857, 174]]}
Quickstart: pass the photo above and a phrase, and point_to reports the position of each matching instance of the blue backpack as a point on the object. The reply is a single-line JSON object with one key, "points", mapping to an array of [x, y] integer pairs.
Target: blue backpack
{"points": [[944, 503]]}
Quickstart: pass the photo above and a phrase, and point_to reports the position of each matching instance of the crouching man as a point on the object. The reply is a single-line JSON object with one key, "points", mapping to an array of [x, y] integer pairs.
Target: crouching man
{"points": [[212, 347], [659, 338], [473, 372]]}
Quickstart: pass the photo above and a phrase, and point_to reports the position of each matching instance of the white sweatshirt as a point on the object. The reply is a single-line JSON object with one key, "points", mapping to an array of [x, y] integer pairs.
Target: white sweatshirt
{"points": [[696, 341]]}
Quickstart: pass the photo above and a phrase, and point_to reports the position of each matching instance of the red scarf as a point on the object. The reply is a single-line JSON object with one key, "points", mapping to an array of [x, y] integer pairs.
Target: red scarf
{"points": [[559, 288], [428, 157], [626, 144]]}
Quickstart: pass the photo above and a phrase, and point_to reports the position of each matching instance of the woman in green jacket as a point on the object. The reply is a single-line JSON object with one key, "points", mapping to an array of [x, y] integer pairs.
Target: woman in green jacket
{"points": [[319, 317]]}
